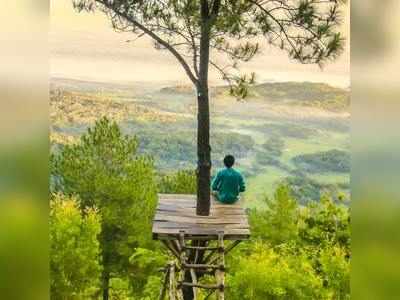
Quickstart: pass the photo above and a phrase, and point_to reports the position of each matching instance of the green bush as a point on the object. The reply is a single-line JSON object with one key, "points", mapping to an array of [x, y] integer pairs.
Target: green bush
{"points": [[270, 274], [180, 182], [296, 252], [74, 249], [277, 223]]}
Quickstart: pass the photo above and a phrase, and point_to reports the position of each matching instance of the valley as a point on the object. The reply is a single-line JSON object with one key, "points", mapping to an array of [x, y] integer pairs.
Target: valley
{"points": [[293, 132]]}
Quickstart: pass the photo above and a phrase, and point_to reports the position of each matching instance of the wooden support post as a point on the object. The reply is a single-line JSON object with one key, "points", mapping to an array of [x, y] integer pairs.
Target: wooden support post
{"points": [[212, 260], [183, 261], [202, 266], [210, 255], [231, 246], [165, 284], [172, 291], [220, 273], [171, 247], [197, 243], [194, 280]]}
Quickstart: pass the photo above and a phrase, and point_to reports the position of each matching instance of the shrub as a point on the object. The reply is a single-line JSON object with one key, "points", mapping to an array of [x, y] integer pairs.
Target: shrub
{"points": [[74, 249]]}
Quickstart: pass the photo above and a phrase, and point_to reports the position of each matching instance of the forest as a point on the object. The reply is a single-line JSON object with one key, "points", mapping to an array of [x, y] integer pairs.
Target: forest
{"points": [[104, 189]]}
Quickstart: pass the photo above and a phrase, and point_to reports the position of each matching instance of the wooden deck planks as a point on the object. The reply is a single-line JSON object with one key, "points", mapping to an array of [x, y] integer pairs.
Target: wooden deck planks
{"points": [[178, 212]]}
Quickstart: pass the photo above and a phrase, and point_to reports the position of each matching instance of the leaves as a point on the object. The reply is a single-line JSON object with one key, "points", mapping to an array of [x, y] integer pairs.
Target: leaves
{"points": [[74, 249], [296, 253], [181, 182], [104, 170], [308, 30]]}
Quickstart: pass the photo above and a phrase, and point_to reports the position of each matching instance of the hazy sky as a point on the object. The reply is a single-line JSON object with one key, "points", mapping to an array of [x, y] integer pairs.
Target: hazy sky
{"points": [[83, 46]]}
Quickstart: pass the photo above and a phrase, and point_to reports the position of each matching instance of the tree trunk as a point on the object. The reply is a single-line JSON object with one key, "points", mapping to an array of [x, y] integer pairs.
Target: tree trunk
{"points": [[203, 118], [106, 285], [203, 153]]}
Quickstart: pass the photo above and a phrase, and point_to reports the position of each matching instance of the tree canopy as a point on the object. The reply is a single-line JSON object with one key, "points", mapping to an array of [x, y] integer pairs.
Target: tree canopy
{"points": [[306, 29], [104, 170]]}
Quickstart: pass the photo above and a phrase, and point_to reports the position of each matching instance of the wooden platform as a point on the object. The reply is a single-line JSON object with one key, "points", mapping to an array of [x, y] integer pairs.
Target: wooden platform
{"points": [[178, 212]]}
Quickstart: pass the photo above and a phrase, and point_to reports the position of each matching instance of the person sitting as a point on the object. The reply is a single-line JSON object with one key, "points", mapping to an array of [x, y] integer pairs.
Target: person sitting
{"points": [[228, 183]]}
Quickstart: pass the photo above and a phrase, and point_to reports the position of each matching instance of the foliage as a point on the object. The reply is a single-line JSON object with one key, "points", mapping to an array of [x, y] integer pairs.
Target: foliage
{"points": [[180, 182], [168, 146], [271, 274], [328, 161], [306, 189], [278, 223], [336, 270], [231, 142], [120, 289], [104, 170], [170, 149], [324, 223], [75, 258], [296, 253], [306, 30], [145, 264], [274, 145]]}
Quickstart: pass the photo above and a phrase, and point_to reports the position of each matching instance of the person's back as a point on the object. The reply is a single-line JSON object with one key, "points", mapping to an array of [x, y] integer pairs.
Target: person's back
{"points": [[228, 183]]}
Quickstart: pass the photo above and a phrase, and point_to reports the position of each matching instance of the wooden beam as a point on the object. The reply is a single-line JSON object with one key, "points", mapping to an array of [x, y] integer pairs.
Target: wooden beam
{"points": [[168, 244], [165, 284], [172, 291], [220, 274], [194, 280]]}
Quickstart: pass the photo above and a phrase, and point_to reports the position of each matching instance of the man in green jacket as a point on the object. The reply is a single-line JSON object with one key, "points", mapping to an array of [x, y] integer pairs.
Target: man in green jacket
{"points": [[228, 183]]}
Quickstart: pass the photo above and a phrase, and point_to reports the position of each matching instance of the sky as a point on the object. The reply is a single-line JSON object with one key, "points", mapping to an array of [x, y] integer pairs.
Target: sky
{"points": [[84, 47]]}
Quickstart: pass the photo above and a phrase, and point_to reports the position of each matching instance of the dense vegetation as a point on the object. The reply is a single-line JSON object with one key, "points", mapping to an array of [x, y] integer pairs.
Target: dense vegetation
{"points": [[306, 189], [327, 161], [103, 197], [180, 182], [172, 149], [75, 260], [295, 253], [104, 171]]}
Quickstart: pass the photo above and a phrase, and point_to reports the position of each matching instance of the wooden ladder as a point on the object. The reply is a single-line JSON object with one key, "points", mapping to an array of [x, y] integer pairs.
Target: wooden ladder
{"points": [[197, 263]]}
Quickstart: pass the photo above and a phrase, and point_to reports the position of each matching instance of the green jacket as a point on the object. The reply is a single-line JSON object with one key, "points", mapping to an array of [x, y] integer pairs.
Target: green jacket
{"points": [[228, 183]]}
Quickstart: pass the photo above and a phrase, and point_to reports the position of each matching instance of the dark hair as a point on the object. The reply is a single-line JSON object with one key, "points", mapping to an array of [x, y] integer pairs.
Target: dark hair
{"points": [[229, 160]]}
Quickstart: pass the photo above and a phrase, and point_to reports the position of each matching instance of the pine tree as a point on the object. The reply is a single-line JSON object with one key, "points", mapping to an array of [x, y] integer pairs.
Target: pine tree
{"points": [[197, 32], [104, 170]]}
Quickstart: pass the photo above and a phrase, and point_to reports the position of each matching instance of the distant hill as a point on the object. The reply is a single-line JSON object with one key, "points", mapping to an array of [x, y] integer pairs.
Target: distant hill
{"points": [[306, 93], [179, 89], [320, 95]]}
